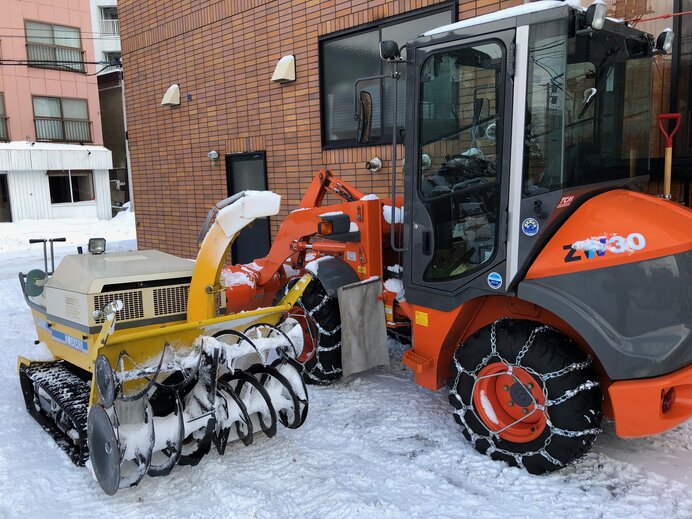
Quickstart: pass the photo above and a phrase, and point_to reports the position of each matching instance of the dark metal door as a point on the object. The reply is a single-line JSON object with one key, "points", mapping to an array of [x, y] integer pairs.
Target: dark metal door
{"points": [[5, 210], [457, 187], [248, 171]]}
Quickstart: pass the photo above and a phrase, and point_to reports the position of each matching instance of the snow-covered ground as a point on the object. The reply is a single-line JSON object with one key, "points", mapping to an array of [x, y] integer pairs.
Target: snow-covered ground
{"points": [[375, 445]]}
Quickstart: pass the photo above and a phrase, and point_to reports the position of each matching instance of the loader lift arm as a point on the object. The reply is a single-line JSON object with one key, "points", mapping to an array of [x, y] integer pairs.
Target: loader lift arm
{"points": [[300, 225]]}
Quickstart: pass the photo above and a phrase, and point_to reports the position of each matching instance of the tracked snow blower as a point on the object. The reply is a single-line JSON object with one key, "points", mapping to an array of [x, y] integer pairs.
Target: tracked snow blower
{"points": [[530, 272], [150, 370]]}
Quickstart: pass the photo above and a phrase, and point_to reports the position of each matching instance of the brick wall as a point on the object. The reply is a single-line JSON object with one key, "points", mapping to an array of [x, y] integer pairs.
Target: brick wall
{"points": [[223, 53]]}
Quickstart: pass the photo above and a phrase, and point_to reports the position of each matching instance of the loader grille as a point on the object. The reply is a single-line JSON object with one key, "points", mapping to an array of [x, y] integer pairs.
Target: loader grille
{"points": [[132, 305], [170, 300]]}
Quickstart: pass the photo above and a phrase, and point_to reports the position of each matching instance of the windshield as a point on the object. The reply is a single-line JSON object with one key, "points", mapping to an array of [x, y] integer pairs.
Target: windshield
{"points": [[588, 113]]}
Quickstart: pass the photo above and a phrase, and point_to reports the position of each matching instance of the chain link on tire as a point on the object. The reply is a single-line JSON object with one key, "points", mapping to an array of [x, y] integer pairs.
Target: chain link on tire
{"points": [[319, 316], [525, 394]]}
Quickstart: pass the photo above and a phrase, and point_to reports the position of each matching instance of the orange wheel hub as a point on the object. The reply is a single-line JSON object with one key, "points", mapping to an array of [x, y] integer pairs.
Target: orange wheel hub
{"points": [[508, 401], [309, 332]]}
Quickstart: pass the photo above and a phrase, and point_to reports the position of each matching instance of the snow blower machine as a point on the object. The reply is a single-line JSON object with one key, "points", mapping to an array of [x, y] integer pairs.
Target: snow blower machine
{"points": [[149, 371], [524, 263]]}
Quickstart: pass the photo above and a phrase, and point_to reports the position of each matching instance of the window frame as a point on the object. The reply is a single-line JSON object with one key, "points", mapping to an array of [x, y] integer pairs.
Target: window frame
{"points": [[62, 119], [4, 125], [364, 28], [47, 63], [60, 173]]}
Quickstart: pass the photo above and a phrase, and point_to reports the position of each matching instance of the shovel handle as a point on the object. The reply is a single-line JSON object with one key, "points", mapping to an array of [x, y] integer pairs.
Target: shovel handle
{"points": [[669, 136]]}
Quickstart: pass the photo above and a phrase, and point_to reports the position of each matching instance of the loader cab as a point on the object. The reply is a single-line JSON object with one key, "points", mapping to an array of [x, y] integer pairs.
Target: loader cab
{"points": [[511, 124]]}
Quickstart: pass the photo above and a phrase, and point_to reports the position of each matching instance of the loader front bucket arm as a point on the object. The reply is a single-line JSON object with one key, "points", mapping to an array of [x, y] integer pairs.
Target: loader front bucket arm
{"points": [[324, 182], [301, 224]]}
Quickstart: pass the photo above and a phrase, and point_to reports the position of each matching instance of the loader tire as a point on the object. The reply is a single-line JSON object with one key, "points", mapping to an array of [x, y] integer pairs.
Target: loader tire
{"points": [[551, 371], [318, 314]]}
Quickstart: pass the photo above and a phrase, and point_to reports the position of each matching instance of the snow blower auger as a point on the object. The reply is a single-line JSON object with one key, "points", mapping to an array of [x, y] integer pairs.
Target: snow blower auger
{"points": [[149, 371]]}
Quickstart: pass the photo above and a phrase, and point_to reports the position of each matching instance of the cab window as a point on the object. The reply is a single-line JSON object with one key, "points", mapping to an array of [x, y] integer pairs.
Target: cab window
{"points": [[459, 156]]}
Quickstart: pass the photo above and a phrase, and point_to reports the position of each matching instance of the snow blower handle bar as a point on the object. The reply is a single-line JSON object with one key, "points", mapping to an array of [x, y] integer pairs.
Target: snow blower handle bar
{"points": [[45, 252], [214, 211]]}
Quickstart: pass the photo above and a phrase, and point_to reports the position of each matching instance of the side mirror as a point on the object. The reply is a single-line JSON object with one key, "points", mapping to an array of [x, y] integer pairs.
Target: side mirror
{"points": [[364, 117], [664, 42], [389, 50]]}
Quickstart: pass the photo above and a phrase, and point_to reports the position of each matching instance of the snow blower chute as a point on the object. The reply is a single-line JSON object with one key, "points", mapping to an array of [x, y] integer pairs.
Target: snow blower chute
{"points": [[149, 371]]}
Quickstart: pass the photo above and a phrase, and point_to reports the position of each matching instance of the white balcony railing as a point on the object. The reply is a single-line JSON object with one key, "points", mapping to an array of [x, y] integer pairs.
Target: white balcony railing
{"points": [[110, 27]]}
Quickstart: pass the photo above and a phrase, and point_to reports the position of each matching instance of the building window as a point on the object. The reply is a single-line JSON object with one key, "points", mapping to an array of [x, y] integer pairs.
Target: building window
{"points": [[67, 187], [4, 133], [113, 58], [355, 54], [61, 119], [54, 46], [110, 25]]}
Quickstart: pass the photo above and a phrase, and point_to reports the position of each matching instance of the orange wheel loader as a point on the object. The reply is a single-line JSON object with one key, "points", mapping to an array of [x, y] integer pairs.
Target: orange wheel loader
{"points": [[534, 276]]}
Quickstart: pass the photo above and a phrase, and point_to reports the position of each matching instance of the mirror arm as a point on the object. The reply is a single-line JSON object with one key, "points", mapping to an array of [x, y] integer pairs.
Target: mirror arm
{"points": [[392, 240]]}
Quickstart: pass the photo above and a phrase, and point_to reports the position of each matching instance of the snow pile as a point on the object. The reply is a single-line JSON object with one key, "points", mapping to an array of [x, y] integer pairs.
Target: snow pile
{"points": [[398, 214], [15, 236], [396, 286], [314, 265], [230, 278]]}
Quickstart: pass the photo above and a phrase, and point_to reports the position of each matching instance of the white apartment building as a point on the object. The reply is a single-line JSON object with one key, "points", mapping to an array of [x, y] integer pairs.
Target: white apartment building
{"points": [[106, 32]]}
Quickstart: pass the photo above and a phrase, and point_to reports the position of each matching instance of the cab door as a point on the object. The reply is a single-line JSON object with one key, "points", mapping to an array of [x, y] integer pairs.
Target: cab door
{"points": [[457, 188]]}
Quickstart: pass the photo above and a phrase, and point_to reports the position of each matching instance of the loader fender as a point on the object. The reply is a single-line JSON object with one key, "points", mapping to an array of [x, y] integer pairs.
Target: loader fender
{"points": [[636, 317], [333, 273]]}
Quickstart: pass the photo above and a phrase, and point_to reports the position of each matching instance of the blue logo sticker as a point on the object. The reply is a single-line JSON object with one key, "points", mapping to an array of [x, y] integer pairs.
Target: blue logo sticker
{"points": [[530, 227], [494, 280]]}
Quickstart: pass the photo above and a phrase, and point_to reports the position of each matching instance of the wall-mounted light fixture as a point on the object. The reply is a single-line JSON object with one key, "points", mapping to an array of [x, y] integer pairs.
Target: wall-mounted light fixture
{"points": [[374, 165], [285, 70], [213, 157], [172, 96]]}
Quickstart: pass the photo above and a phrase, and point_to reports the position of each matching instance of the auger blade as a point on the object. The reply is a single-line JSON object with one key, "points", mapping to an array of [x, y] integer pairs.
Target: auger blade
{"points": [[202, 448], [245, 431], [173, 449], [283, 398], [255, 398], [290, 369], [140, 454]]}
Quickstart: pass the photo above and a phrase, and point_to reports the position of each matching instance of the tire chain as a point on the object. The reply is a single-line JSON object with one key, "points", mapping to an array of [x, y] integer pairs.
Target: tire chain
{"points": [[321, 331], [547, 376]]}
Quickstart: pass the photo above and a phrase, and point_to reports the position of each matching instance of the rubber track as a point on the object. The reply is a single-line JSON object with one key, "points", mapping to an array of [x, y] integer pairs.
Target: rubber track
{"points": [[70, 393]]}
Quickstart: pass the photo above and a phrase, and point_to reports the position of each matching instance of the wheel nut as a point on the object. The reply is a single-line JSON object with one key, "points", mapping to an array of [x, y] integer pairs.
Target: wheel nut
{"points": [[530, 385], [505, 388], [526, 411], [510, 403]]}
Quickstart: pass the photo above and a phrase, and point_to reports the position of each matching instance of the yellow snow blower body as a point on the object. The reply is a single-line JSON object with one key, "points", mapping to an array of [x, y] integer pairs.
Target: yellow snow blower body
{"points": [[149, 369]]}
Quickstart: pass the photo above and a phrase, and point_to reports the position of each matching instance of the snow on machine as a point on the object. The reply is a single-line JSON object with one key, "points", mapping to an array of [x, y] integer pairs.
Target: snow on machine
{"points": [[149, 369]]}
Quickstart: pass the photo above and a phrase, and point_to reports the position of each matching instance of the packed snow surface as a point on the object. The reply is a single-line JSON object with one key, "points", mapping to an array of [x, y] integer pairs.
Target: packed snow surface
{"points": [[373, 446]]}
